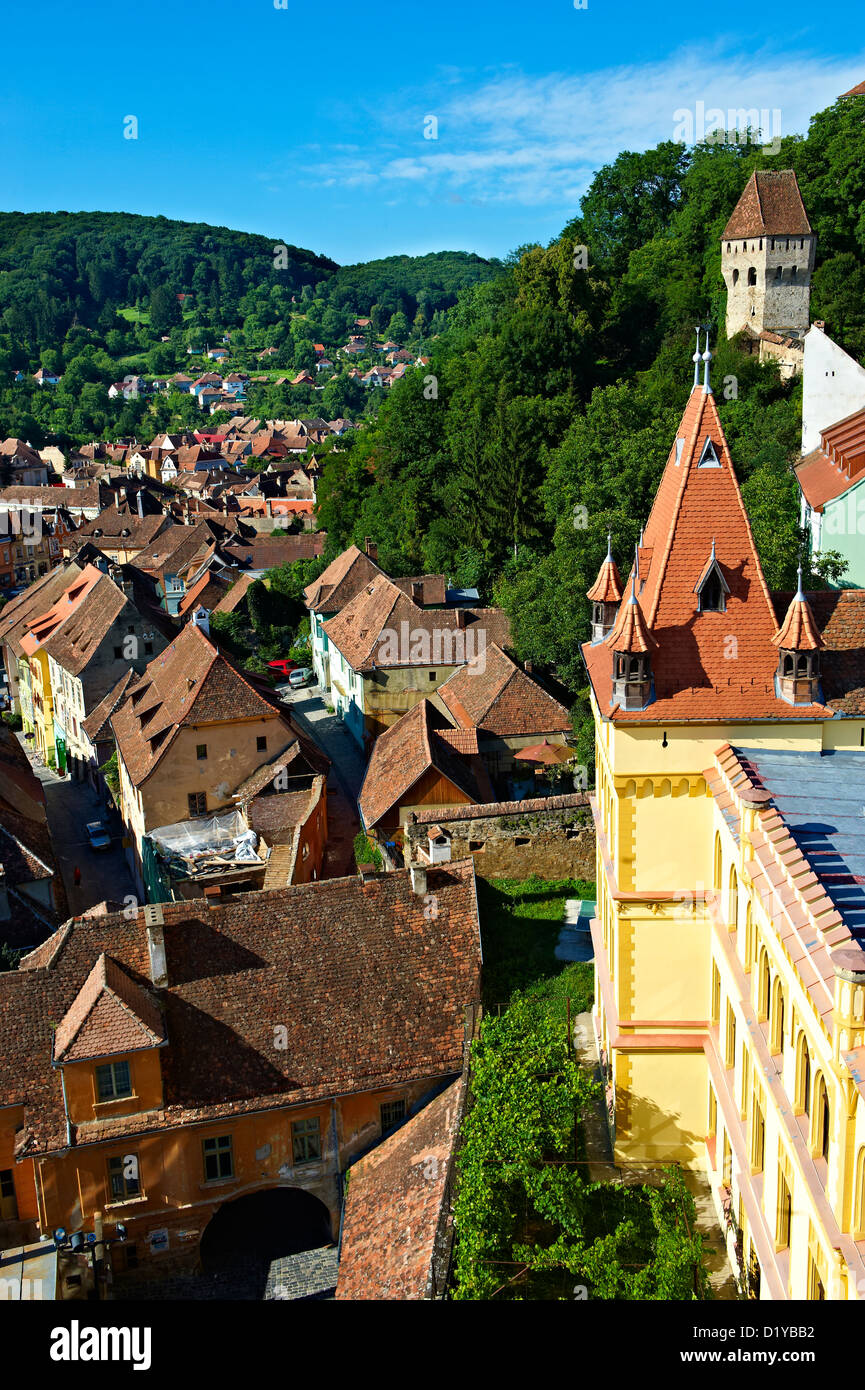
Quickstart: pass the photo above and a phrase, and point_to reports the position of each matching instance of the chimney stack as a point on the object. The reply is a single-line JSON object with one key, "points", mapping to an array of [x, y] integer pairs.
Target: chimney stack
{"points": [[417, 873], [154, 921], [371, 549], [461, 619], [366, 871], [417, 592]]}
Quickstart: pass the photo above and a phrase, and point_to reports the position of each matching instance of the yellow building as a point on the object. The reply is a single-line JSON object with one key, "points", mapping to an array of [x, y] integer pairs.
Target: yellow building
{"points": [[730, 982]]}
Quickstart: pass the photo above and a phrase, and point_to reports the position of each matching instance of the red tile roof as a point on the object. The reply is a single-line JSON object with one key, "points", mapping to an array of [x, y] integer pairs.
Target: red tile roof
{"points": [[110, 1014], [770, 205], [396, 1211], [707, 665], [494, 695], [607, 588], [372, 989], [629, 633], [403, 754], [840, 617], [821, 480], [191, 682], [378, 630], [799, 631]]}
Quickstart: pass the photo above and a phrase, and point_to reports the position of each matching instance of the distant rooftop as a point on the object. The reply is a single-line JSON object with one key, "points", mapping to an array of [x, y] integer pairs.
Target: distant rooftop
{"points": [[821, 798]]}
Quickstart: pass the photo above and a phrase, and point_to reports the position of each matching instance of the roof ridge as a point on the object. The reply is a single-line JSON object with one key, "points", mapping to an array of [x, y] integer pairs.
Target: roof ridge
{"points": [[677, 509]]}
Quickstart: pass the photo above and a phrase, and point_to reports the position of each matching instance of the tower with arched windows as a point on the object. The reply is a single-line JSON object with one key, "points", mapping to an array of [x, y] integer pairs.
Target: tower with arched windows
{"points": [[767, 258]]}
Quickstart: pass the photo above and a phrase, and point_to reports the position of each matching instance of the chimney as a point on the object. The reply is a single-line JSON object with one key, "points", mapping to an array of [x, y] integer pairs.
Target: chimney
{"points": [[371, 549], [819, 323], [417, 592], [212, 894], [461, 619], [528, 667], [154, 922], [417, 873], [140, 503]]}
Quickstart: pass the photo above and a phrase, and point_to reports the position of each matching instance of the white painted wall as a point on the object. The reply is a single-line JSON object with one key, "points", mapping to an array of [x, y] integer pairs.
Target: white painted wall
{"points": [[833, 387]]}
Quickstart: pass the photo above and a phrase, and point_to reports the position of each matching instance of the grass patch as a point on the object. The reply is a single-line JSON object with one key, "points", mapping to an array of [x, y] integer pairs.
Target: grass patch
{"points": [[520, 924]]}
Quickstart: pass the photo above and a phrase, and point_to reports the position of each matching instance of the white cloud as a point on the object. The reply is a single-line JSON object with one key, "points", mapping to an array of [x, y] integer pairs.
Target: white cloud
{"points": [[527, 140]]}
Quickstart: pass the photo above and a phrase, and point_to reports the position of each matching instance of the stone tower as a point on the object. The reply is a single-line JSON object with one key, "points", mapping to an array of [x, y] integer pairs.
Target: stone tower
{"points": [[767, 256]]}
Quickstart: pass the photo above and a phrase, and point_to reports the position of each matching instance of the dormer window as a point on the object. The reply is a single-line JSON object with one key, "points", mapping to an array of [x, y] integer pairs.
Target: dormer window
{"points": [[709, 455], [712, 588]]}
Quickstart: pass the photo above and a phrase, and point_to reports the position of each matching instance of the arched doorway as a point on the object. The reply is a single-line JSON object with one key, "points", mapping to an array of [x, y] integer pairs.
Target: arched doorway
{"points": [[277, 1243], [268, 1225]]}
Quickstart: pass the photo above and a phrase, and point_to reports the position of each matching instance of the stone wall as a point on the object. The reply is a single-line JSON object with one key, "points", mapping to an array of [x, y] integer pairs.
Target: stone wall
{"points": [[553, 837]]}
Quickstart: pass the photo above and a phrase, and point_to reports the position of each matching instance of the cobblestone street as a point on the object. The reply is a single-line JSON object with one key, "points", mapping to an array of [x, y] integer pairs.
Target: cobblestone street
{"points": [[309, 1274]]}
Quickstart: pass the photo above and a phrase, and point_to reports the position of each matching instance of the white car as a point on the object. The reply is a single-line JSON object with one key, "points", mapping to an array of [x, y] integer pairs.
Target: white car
{"points": [[98, 835], [303, 676]]}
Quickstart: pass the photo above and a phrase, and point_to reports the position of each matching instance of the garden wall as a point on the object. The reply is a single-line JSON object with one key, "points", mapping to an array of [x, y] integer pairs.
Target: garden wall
{"points": [[553, 837]]}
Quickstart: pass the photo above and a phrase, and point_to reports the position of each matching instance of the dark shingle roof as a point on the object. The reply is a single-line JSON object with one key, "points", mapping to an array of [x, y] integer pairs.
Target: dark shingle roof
{"points": [[372, 989]]}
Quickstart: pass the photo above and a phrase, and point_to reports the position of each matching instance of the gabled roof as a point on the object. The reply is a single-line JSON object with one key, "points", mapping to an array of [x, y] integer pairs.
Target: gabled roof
{"points": [[341, 581], [370, 630], [97, 724], [235, 972], [770, 205], [190, 682], [38, 598], [493, 694], [403, 754], [111, 1014], [707, 665]]}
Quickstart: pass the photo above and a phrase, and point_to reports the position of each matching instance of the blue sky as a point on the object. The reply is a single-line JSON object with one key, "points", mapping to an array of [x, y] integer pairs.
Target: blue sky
{"points": [[306, 123]]}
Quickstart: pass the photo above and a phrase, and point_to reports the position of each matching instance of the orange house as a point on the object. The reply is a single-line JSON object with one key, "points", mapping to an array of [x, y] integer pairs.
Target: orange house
{"points": [[155, 1073]]}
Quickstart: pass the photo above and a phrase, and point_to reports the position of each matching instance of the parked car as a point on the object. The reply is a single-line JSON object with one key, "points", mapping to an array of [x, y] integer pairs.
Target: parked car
{"points": [[304, 675], [98, 835], [282, 666]]}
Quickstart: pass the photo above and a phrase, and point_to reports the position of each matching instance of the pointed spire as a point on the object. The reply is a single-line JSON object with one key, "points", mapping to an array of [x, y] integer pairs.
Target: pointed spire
{"points": [[707, 357], [637, 559], [607, 588], [799, 631], [630, 632], [696, 358]]}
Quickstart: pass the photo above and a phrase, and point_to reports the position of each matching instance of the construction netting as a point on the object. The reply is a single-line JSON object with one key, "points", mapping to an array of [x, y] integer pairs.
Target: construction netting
{"points": [[191, 848]]}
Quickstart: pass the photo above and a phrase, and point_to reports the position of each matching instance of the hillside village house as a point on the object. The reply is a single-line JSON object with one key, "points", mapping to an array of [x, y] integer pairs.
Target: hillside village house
{"points": [[418, 762], [190, 733], [730, 974], [20, 464], [164, 1070]]}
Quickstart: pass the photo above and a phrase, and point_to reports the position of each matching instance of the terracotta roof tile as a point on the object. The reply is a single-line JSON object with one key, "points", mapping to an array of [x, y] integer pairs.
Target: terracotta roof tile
{"points": [[396, 1209], [110, 1014], [492, 694], [770, 205]]}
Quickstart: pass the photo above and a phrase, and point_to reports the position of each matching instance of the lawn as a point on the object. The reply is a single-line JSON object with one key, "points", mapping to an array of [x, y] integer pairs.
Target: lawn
{"points": [[520, 924]]}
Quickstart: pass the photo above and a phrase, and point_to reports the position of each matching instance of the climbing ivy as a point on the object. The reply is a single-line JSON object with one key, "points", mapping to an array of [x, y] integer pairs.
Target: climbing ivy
{"points": [[527, 1215]]}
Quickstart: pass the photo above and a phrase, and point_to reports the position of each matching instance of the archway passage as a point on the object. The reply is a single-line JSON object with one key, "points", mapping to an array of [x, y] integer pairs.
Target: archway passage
{"points": [[265, 1226]]}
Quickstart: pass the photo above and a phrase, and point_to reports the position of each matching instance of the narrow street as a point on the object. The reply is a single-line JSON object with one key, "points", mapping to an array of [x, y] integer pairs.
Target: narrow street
{"points": [[104, 873], [309, 708]]}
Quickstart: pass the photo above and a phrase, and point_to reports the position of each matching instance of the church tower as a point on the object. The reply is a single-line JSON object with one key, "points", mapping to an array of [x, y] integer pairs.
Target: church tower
{"points": [[767, 258]]}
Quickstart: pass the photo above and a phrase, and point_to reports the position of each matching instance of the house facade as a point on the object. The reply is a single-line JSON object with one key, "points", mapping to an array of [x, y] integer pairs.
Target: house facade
{"points": [[729, 974], [114, 1112]]}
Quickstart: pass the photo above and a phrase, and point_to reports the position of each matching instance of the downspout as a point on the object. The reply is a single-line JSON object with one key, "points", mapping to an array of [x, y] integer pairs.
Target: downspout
{"points": [[69, 1144]]}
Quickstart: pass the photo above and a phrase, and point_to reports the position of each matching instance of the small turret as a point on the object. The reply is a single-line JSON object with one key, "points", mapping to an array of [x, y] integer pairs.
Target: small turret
{"points": [[605, 595], [798, 640], [632, 645]]}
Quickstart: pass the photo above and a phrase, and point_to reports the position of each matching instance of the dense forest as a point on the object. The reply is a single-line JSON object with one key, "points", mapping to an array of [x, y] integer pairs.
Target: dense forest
{"points": [[559, 386]]}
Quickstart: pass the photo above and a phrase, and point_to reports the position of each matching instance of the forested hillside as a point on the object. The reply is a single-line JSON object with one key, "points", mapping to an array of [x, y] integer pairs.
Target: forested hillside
{"points": [[559, 389], [94, 296]]}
